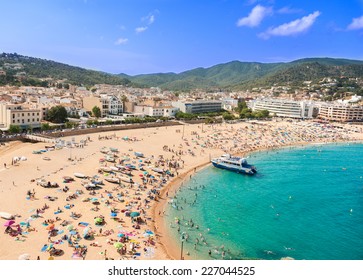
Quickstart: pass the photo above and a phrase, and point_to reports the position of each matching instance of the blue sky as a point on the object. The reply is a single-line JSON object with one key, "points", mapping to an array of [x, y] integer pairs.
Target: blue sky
{"points": [[148, 36]]}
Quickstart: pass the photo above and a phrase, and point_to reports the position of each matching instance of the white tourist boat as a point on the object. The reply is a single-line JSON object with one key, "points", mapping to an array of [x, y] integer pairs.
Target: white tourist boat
{"points": [[235, 164]]}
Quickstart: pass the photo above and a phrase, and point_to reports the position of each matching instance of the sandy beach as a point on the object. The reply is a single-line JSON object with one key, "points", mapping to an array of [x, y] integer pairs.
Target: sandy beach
{"points": [[122, 220]]}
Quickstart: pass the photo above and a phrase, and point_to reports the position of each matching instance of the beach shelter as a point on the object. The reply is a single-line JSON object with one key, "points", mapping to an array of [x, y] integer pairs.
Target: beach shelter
{"points": [[9, 223], [134, 214]]}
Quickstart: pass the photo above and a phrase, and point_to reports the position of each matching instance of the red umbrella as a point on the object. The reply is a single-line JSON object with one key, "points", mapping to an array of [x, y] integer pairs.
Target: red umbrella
{"points": [[9, 223]]}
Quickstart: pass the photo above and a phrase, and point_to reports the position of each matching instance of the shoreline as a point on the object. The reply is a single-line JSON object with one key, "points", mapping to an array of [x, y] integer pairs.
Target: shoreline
{"points": [[165, 240]]}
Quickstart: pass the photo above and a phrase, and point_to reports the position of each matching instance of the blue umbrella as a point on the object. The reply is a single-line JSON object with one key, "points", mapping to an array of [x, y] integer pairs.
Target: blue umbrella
{"points": [[134, 214], [113, 214], [120, 235]]}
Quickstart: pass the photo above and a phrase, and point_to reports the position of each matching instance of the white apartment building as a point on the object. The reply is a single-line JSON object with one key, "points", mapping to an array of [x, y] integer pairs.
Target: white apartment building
{"points": [[198, 106], [154, 111], [229, 103], [109, 104], [284, 108], [340, 113], [14, 114]]}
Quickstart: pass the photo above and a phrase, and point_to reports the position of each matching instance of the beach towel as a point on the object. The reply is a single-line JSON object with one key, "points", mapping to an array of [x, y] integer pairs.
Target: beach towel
{"points": [[83, 224], [44, 248]]}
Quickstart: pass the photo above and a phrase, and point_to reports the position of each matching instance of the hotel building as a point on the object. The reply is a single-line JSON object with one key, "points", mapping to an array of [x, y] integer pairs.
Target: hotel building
{"points": [[198, 106], [15, 114], [284, 108], [340, 113]]}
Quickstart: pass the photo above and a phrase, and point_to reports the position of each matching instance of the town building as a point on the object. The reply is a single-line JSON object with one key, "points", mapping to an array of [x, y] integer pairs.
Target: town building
{"points": [[154, 111], [340, 113], [198, 106], [284, 108], [108, 104], [15, 114]]}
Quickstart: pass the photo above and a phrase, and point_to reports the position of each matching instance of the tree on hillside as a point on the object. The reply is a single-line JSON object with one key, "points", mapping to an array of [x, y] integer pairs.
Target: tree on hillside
{"points": [[57, 114], [96, 111]]}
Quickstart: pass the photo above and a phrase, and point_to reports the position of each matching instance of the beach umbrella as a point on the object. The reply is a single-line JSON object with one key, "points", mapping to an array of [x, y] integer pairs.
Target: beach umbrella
{"points": [[70, 227], [24, 257], [9, 223], [113, 214], [134, 214], [73, 232], [118, 245], [50, 227], [85, 231], [94, 199], [120, 235], [98, 220]]}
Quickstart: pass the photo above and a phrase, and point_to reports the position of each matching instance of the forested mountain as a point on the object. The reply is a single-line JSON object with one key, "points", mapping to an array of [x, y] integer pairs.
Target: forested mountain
{"points": [[241, 75], [23, 70]]}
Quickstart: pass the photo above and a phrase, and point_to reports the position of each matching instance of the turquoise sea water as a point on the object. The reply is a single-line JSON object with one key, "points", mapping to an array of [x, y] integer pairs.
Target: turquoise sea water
{"points": [[304, 203]]}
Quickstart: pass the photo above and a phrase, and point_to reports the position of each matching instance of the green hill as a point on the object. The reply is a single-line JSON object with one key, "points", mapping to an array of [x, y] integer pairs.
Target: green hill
{"points": [[241, 75], [24, 70]]}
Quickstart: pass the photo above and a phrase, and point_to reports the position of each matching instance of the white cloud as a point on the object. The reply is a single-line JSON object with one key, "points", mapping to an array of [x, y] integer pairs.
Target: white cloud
{"points": [[291, 28], [288, 10], [150, 18], [255, 17], [140, 29], [357, 23], [121, 41]]}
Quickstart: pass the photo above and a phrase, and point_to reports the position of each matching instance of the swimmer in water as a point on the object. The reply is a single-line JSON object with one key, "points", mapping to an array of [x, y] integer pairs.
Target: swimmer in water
{"points": [[269, 252], [289, 248]]}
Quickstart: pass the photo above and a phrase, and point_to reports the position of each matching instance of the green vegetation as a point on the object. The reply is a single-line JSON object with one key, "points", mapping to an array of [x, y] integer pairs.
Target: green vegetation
{"points": [[237, 75], [57, 114], [42, 72], [14, 129], [45, 126], [187, 116], [246, 113], [96, 111], [22, 70]]}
